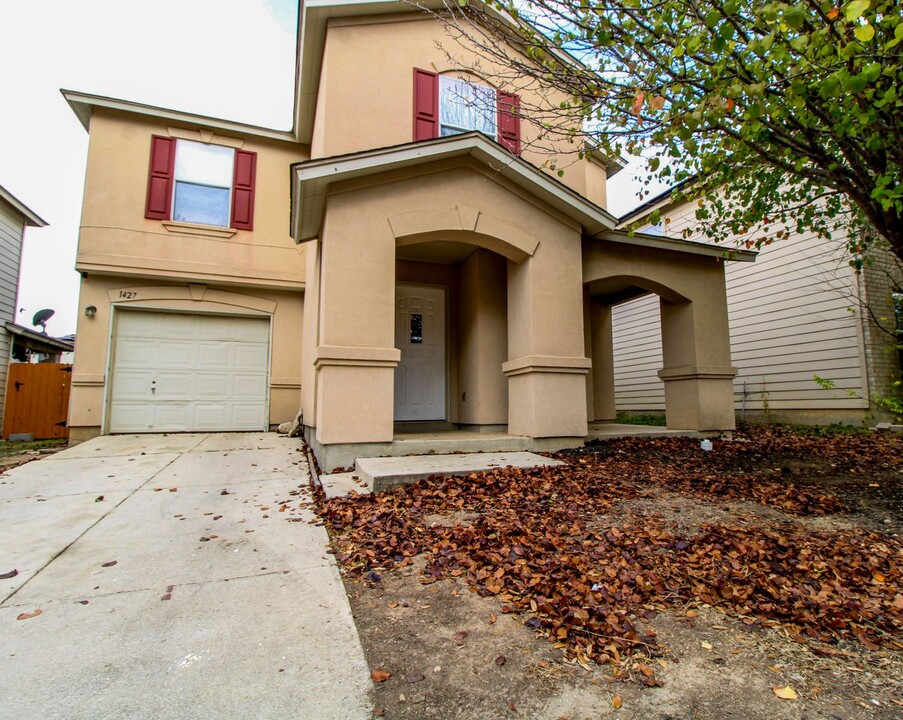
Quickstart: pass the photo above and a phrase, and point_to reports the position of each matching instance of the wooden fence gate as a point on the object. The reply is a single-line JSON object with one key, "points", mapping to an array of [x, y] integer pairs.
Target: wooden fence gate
{"points": [[37, 400]]}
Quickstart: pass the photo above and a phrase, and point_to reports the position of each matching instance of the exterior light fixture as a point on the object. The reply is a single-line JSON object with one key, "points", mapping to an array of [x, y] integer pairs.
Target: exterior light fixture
{"points": [[90, 311]]}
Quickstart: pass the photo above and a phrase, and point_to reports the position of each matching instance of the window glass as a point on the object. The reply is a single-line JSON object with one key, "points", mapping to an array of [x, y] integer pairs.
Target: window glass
{"points": [[464, 106], [201, 204], [203, 187]]}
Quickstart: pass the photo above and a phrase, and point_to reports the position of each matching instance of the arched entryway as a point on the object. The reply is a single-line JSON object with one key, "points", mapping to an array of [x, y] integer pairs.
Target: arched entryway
{"points": [[696, 369]]}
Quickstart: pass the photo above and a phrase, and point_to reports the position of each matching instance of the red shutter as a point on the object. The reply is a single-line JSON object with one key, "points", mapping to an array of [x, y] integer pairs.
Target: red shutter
{"points": [[160, 177], [509, 121], [243, 190], [426, 104]]}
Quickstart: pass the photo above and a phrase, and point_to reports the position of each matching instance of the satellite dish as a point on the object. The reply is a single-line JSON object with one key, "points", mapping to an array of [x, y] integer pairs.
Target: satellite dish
{"points": [[41, 317]]}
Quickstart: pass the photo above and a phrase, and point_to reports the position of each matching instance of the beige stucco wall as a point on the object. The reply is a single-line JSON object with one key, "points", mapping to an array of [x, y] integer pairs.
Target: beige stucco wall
{"points": [[482, 398], [116, 238], [520, 326], [91, 371], [696, 358], [180, 266], [365, 98]]}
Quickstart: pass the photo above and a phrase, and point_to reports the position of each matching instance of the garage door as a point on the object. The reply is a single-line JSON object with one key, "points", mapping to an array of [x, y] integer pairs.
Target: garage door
{"points": [[179, 372]]}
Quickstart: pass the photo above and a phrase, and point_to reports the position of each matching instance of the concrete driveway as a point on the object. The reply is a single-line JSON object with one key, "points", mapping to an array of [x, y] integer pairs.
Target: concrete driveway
{"points": [[178, 576]]}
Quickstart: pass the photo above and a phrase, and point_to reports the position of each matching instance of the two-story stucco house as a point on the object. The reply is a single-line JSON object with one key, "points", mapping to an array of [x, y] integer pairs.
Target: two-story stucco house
{"points": [[402, 259]]}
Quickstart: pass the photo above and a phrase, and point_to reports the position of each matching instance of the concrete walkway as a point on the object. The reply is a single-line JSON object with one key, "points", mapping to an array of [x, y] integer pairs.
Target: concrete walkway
{"points": [[172, 584]]}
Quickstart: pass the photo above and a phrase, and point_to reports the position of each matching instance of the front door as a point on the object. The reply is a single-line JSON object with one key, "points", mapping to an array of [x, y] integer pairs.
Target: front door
{"points": [[420, 335]]}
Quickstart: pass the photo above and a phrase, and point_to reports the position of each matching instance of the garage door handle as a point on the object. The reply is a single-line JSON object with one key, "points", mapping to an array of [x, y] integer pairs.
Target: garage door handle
{"points": [[153, 386]]}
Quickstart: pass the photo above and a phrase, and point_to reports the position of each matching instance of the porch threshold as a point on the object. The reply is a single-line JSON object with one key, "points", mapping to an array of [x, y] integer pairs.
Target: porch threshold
{"points": [[344, 455], [375, 474], [343, 472], [609, 431]]}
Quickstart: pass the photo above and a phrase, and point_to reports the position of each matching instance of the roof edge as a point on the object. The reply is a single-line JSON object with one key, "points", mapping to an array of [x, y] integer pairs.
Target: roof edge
{"points": [[83, 103], [596, 222], [39, 337], [678, 244], [31, 217]]}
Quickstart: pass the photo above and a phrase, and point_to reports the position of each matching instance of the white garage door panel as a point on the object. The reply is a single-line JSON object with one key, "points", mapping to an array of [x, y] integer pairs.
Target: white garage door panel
{"points": [[180, 372]]}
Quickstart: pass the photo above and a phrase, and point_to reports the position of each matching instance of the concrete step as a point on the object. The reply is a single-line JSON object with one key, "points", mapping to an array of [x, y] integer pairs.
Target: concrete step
{"points": [[385, 472], [341, 484]]}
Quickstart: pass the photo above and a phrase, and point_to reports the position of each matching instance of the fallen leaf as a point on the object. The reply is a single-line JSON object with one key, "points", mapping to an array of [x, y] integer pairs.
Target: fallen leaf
{"points": [[29, 616], [785, 692], [111, 563], [411, 679], [706, 644], [616, 702], [460, 636], [501, 660], [379, 711], [173, 489], [11, 574], [99, 498], [217, 517], [380, 675]]}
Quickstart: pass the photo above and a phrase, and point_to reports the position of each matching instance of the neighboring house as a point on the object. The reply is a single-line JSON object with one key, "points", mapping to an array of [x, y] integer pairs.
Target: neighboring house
{"points": [[800, 311], [30, 346], [15, 217], [397, 261]]}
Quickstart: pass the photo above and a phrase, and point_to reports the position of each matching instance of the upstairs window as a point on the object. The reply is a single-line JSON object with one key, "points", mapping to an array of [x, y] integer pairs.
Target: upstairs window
{"points": [[446, 106], [203, 183], [464, 106], [199, 183]]}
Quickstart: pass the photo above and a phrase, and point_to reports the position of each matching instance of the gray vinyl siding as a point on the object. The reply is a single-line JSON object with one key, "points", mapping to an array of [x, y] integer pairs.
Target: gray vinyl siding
{"points": [[792, 316], [11, 229]]}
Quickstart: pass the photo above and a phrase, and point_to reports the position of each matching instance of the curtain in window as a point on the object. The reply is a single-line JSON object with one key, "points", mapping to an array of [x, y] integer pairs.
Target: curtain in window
{"points": [[464, 106]]}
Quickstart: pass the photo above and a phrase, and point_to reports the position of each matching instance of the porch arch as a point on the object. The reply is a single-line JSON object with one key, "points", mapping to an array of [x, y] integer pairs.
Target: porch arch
{"points": [[697, 370], [463, 224]]}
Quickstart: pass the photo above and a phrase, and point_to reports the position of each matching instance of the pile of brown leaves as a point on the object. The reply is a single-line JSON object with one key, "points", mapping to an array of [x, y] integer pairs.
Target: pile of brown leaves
{"points": [[531, 540]]}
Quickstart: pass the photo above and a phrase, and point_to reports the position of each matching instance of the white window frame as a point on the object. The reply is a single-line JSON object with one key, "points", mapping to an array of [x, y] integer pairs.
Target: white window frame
{"points": [[180, 142], [493, 114]]}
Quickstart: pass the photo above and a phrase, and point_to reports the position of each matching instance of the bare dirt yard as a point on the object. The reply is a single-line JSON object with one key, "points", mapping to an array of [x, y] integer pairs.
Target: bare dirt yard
{"points": [[644, 579]]}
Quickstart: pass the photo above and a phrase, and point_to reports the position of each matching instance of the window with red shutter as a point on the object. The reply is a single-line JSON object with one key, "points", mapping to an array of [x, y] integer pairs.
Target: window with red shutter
{"points": [[446, 106], [201, 183], [509, 121], [160, 178], [243, 190], [426, 104]]}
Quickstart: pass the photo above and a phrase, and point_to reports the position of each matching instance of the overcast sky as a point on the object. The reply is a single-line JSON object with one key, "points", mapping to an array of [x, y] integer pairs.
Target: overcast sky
{"points": [[225, 58]]}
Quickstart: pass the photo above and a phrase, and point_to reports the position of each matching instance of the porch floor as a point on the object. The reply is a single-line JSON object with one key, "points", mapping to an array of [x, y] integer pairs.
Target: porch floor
{"points": [[466, 444]]}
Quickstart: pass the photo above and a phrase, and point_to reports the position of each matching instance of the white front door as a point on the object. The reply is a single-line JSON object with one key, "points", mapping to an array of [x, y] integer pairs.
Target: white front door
{"points": [[182, 372], [420, 335]]}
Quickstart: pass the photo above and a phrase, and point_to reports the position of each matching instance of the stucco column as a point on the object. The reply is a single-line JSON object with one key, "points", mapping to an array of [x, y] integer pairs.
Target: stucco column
{"points": [[546, 368], [697, 372], [602, 355], [355, 354]]}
